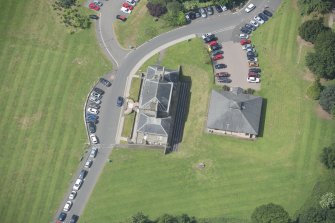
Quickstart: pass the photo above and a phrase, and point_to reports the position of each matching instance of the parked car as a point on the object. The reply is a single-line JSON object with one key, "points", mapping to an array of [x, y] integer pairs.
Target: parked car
{"points": [[82, 174], [74, 218], [251, 49], [247, 46], [222, 74], [253, 74], [121, 17], [249, 26], [127, 5], [253, 59], [93, 105], [210, 10], [263, 16], [94, 139], [245, 41], [93, 111], [244, 36], [250, 53], [131, 2], [91, 118], [253, 79], [218, 8], [98, 3], [77, 184], [217, 52], [245, 30], [94, 7], [125, 10], [216, 47], [267, 13], [187, 18], [67, 206], [192, 15], [95, 100], [93, 17], [206, 35], [223, 80], [210, 38], [73, 195], [105, 82], [94, 152], [91, 127], [250, 7], [259, 20], [220, 66], [212, 43], [253, 64], [203, 12], [254, 23], [197, 14], [256, 70], [88, 163], [96, 95], [119, 101], [224, 8], [62, 216], [217, 57]]}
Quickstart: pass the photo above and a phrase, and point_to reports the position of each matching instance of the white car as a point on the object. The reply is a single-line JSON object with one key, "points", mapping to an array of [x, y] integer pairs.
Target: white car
{"points": [[88, 163], [93, 111], [246, 46], [94, 152], [259, 20], [254, 23], [251, 50], [94, 139], [206, 35], [77, 184], [125, 10], [73, 195], [250, 7], [253, 79], [224, 8], [131, 2], [96, 95], [67, 206], [244, 36], [95, 100]]}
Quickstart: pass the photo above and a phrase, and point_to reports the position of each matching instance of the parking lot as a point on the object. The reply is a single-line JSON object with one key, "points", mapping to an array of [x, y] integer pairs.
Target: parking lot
{"points": [[237, 66]]}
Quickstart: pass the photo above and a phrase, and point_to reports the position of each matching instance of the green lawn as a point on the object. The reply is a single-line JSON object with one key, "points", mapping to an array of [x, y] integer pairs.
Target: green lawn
{"points": [[45, 77], [282, 166], [139, 27]]}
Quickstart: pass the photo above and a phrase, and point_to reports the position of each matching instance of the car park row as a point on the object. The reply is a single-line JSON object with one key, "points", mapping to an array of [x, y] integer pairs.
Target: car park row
{"points": [[203, 12], [127, 7]]}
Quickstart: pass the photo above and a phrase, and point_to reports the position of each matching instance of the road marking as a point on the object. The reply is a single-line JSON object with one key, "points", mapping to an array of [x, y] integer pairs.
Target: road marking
{"points": [[103, 41]]}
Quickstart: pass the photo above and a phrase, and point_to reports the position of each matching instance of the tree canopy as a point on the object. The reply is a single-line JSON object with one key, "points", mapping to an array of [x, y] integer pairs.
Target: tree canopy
{"points": [[328, 156], [310, 29], [327, 99], [270, 213], [318, 6]]}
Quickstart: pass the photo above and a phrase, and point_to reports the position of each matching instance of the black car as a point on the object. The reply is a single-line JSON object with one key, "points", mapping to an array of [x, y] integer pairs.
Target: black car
{"points": [[210, 38], [98, 90], [251, 59], [62, 216], [250, 53], [256, 70], [249, 26], [91, 127], [210, 10], [267, 13], [245, 30], [192, 15], [93, 17], [105, 82], [220, 66], [217, 52], [216, 47], [82, 174], [74, 218], [264, 17], [218, 8], [119, 101], [93, 105], [223, 79]]}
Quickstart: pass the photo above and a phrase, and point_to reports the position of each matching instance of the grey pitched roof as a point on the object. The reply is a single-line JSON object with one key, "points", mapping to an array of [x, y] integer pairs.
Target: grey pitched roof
{"points": [[235, 112], [152, 125]]}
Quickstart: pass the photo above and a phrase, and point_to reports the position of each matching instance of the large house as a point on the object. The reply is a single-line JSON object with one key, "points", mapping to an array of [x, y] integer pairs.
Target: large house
{"points": [[234, 113], [157, 105]]}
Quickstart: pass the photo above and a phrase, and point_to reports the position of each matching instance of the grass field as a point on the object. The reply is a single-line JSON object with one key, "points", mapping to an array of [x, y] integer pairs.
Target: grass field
{"points": [[45, 77], [141, 23], [282, 166]]}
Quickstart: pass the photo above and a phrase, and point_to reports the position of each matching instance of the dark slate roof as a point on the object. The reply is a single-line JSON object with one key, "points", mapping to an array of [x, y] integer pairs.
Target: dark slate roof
{"points": [[234, 112], [152, 125]]}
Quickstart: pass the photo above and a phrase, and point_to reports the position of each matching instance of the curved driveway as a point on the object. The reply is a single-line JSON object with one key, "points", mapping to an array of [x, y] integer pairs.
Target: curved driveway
{"points": [[126, 62]]}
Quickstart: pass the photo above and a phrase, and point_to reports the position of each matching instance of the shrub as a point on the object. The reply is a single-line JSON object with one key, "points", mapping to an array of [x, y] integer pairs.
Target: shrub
{"points": [[270, 213], [314, 90], [327, 99], [328, 157], [317, 6], [327, 200], [156, 10]]}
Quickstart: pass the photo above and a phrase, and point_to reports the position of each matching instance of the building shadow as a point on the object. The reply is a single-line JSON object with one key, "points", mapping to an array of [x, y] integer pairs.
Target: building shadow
{"points": [[263, 118]]}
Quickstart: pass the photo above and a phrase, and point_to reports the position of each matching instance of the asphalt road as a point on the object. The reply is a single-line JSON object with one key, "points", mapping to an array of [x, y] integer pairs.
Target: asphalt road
{"points": [[126, 62]]}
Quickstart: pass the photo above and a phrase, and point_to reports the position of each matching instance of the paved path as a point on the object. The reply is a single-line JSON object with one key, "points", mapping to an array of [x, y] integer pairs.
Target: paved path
{"points": [[126, 62]]}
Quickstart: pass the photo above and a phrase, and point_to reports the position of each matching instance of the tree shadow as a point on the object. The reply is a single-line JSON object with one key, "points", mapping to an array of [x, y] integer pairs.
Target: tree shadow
{"points": [[263, 118]]}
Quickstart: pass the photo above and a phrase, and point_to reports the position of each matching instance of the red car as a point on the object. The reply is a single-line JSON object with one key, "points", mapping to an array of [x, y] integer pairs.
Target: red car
{"points": [[245, 41], [121, 17], [126, 5], [213, 43], [253, 74], [94, 7], [218, 57]]}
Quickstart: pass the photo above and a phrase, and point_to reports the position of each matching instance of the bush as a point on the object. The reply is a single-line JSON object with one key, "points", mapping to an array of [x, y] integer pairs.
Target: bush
{"points": [[328, 157], [226, 88], [270, 213], [156, 10], [327, 200], [314, 90], [310, 29], [249, 91], [327, 99]]}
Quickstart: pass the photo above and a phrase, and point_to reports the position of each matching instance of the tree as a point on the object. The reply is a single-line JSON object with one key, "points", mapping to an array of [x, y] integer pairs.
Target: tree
{"points": [[184, 218], [270, 213], [140, 218], [66, 3], [310, 29], [328, 156], [174, 7], [317, 6], [313, 215], [327, 99], [314, 90], [322, 61], [166, 218], [327, 200], [156, 10]]}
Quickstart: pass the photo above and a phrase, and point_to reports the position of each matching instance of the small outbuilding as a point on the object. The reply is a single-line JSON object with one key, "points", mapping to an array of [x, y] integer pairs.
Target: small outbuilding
{"points": [[234, 113]]}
